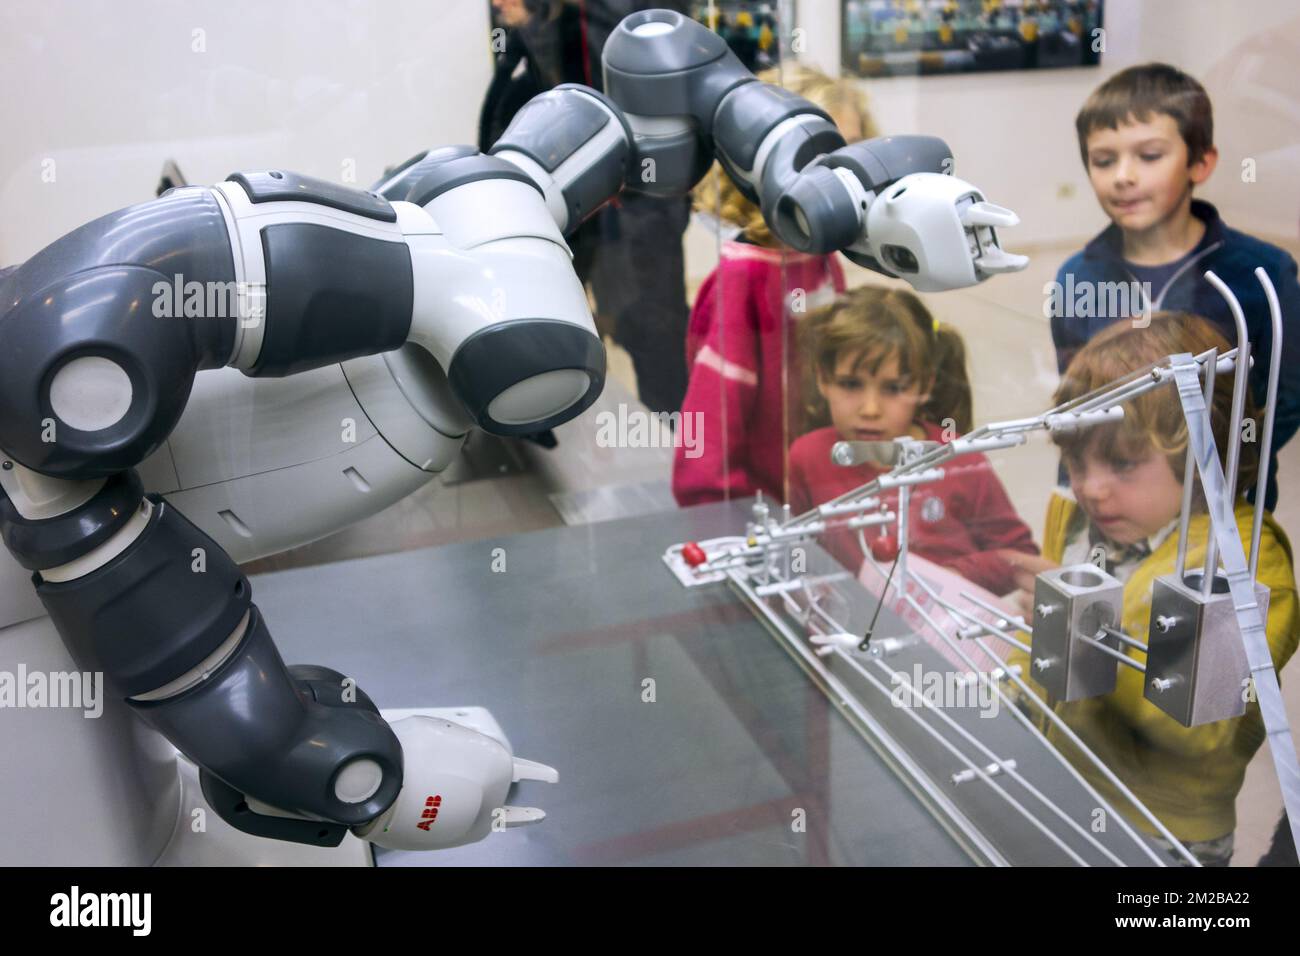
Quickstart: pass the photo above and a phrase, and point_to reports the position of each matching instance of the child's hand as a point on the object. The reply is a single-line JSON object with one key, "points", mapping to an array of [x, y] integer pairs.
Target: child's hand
{"points": [[1024, 604], [1026, 567]]}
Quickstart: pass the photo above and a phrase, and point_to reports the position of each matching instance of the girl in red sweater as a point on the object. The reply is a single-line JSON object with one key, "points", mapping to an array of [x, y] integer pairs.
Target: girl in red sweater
{"points": [[884, 368], [741, 358]]}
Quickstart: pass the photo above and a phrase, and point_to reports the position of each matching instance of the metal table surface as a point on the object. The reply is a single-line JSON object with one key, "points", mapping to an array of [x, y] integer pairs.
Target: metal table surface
{"points": [[714, 770]]}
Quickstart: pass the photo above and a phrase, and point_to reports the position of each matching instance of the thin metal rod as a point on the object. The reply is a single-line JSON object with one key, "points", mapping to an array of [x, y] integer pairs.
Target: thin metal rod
{"points": [[1106, 394], [1001, 615], [1239, 386], [1122, 394], [1189, 478], [990, 629], [1125, 639], [1118, 655], [904, 523], [1266, 446]]}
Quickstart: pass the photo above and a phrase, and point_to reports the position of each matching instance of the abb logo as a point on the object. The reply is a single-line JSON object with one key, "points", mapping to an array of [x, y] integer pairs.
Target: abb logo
{"points": [[431, 805]]}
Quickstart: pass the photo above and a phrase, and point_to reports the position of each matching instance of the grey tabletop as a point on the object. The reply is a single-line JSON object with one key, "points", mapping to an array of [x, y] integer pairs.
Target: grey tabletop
{"points": [[736, 759]]}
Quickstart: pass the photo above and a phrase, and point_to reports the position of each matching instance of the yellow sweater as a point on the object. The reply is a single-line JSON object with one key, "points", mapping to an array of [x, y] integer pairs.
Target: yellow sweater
{"points": [[1188, 777]]}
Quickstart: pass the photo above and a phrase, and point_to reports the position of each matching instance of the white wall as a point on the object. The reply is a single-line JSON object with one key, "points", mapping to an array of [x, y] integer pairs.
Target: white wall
{"points": [[98, 93], [107, 90], [1012, 134]]}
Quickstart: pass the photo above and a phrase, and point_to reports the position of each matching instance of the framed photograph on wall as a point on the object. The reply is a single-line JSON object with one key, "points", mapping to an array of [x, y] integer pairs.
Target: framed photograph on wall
{"points": [[926, 37], [754, 29]]}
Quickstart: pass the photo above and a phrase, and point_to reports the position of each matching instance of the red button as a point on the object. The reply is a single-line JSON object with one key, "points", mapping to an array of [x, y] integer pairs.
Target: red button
{"points": [[693, 554]]}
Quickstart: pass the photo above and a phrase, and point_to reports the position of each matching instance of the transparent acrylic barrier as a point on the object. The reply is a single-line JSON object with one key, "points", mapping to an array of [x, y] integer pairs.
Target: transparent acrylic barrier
{"points": [[1019, 499], [344, 97]]}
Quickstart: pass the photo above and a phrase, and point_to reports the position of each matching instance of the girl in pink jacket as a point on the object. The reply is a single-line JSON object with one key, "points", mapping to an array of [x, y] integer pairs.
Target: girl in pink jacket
{"points": [[742, 359]]}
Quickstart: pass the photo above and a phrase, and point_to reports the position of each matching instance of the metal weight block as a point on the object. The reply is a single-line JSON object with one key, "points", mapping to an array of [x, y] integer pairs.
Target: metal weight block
{"points": [[1196, 661], [1071, 605]]}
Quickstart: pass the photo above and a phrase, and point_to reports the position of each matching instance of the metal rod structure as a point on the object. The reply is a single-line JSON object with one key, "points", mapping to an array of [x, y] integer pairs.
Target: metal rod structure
{"points": [[1061, 725], [1096, 761], [1099, 398], [913, 776], [1015, 712], [1037, 734], [1051, 715], [792, 606], [959, 616], [973, 770], [1266, 445], [1056, 719], [836, 627], [828, 511], [1007, 766], [1103, 404], [1251, 620], [998, 628], [970, 764]]}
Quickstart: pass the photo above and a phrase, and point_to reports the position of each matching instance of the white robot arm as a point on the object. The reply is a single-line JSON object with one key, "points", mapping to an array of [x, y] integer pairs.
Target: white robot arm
{"points": [[678, 98], [447, 298], [96, 373]]}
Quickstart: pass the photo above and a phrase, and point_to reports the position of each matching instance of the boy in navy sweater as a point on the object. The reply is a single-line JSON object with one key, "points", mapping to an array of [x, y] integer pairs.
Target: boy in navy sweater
{"points": [[1146, 136]]}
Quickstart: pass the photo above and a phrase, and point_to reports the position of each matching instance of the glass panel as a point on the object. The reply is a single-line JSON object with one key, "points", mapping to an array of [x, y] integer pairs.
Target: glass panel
{"points": [[392, 540], [884, 364], [735, 400]]}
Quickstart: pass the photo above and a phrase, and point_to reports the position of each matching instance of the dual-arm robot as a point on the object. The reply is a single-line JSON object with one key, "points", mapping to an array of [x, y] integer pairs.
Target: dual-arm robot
{"points": [[458, 257]]}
